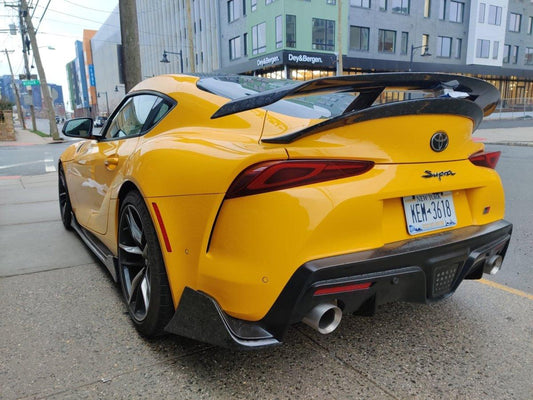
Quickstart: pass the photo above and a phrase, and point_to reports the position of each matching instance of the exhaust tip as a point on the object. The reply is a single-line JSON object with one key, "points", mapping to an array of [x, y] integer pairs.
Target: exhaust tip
{"points": [[493, 265], [324, 318]]}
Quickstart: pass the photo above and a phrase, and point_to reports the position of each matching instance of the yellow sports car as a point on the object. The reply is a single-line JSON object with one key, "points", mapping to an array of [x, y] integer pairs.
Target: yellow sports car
{"points": [[230, 207]]}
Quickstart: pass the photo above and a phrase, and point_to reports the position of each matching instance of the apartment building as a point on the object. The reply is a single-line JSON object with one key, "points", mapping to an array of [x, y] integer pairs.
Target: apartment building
{"points": [[302, 39]]}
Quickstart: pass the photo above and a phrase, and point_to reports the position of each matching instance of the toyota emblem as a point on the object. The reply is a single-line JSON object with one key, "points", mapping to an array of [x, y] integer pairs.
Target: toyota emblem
{"points": [[439, 141]]}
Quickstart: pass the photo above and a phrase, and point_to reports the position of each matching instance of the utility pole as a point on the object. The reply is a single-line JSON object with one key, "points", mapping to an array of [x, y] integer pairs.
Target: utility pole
{"points": [[131, 55], [190, 37], [340, 66], [48, 103], [25, 50], [16, 89]]}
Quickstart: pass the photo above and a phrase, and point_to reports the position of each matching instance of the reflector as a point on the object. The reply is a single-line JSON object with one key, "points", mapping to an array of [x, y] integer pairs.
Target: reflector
{"points": [[342, 289]]}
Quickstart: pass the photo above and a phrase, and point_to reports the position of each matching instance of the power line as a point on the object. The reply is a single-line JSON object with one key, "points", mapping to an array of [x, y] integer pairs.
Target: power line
{"points": [[88, 8], [42, 16]]}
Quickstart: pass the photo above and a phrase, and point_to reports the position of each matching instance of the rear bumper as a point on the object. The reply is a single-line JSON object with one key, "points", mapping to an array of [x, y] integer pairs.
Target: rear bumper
{"points": [[417, 270]]}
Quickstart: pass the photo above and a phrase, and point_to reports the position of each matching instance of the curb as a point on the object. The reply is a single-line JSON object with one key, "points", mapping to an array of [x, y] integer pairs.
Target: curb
{"points": [[521, 144]]}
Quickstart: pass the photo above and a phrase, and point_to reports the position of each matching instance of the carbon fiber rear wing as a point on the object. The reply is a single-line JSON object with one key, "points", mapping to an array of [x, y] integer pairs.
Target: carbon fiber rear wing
{"points": [[455, 94]]}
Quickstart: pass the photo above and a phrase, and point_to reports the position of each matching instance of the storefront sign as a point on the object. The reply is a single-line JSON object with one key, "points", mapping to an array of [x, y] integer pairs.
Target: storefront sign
{"points": [[265, 61], [310, 59], [304, 58]]}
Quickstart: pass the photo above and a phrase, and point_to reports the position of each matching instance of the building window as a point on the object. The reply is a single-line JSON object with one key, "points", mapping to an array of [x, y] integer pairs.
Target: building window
{"points": [[481, 13], [405, 43], [495, 49], [233, 10], [332, 2], [456, 11], [279, 32], [323, 34], [253, 5], [359, 38], [259, 38], [425, 43], [400, 7], [387, 41], [267, 2], [514, 55], [506, 53], [290, 31], [427, 8], [483, 48], [530, 25], [528, 56], [442, 9], [360, 3], [458, 45], [514, 22], [245, 44], [495, 15], [444, 46], [244, 7], [382, 5]]}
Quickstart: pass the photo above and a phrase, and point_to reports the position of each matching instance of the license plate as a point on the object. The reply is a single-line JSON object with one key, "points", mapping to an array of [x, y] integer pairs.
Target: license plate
{"points": [[429, 212]]}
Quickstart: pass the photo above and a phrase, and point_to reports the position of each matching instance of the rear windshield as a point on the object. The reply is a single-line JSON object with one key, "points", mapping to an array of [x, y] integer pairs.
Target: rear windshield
{"points": [[319, 106]]}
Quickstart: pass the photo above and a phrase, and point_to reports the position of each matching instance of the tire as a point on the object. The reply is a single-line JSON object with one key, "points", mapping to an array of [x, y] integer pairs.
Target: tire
{"points": [[65, 207], [142, 273]]}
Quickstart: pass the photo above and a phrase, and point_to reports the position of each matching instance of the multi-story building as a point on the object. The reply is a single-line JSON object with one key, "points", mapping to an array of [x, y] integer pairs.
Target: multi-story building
{"points": [[6, 92], [106, 52], [78, 84], [302, 39]]}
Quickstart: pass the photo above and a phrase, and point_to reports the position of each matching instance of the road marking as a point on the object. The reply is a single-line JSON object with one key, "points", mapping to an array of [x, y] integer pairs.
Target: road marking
{"points": [[21, 164], [507, 289], [49, 162]]}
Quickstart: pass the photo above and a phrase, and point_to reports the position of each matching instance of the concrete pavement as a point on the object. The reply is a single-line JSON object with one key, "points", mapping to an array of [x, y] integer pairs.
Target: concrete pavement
{"points": [[517, 136]]}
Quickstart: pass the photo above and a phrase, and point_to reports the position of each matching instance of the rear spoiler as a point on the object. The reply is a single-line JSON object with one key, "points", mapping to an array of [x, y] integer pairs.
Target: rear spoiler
{"points": [[459, 95]]}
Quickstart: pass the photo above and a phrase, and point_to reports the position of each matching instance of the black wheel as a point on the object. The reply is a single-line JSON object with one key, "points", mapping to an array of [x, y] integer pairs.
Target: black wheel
{"points": [[64, 201], [141, 268]]}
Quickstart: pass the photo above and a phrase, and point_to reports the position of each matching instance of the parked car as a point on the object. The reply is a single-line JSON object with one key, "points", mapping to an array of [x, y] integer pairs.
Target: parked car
{"points": [[230, 207], [100, 121]]}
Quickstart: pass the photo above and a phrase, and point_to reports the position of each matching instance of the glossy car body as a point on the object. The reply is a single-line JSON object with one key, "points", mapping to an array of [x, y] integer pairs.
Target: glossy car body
{"points": [[268, 212]]}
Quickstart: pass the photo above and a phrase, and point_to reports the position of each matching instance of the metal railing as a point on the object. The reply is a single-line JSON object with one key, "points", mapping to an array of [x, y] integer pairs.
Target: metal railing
{"points": [[520, 108]]}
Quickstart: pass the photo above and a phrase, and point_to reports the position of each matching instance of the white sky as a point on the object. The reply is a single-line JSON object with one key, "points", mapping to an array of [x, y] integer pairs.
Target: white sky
{"points": [[62, 25]]}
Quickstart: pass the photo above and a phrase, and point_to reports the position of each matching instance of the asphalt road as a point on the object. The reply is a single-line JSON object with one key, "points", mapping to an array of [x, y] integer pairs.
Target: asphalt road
{"points": [[65, 333]]}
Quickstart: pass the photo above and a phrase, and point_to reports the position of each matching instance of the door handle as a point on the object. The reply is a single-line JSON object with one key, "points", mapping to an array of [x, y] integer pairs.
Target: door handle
{"points": [[111, 162]]}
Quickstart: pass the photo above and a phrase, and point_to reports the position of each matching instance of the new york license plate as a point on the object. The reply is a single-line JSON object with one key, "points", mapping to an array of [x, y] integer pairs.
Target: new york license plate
{"points": [[429, 212]]}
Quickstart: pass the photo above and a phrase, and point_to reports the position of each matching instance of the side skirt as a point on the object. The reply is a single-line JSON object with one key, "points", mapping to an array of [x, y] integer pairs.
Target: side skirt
{"points": [[97, 247]]}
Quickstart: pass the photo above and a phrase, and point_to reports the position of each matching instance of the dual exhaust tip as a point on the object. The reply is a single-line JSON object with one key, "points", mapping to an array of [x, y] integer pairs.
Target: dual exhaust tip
{"points": [[324, 318]]}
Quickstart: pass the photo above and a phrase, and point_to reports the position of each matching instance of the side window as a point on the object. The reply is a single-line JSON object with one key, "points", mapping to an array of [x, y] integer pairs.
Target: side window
{"points": [[137, 115]]}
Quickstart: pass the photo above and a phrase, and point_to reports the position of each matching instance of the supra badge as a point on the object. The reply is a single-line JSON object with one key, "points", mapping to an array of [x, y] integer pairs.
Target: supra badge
{"points": [[429, 174], [439, 141]]}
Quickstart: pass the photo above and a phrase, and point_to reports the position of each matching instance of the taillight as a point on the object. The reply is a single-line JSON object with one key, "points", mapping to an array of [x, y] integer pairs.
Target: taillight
{"points": [[277, 175], [488, 160]]}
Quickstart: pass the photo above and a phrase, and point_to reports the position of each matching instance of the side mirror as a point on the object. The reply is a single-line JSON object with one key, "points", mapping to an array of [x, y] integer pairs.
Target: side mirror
{"points": [[78, 128]]}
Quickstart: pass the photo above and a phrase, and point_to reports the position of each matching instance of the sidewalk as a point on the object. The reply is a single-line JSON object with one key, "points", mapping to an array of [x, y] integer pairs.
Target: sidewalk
{"points": [[26, 138], [517, 136]]}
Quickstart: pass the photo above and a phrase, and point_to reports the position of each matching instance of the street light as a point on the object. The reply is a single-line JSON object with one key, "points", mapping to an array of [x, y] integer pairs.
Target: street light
{"points": [[166, 61], [424, 54], [106, 101]]}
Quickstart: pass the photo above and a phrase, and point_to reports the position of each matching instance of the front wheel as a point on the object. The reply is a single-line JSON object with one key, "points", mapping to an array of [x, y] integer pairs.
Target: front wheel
{"points": [[64, 201], [141, 268]]}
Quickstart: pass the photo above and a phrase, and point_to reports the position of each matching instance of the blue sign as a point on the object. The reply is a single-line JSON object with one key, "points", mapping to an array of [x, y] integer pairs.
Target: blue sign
{"points": [[92, 79]]}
